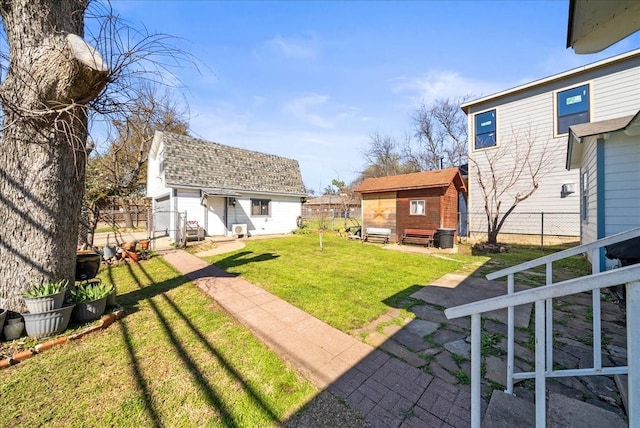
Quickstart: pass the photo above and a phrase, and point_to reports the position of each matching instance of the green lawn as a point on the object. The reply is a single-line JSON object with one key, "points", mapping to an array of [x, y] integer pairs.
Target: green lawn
{"points": [[346, 284], [175, 360], [571, 267]]}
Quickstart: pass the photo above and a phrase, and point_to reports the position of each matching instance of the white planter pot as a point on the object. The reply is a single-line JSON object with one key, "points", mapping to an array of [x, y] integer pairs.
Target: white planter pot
{"points": [[13, 329]]}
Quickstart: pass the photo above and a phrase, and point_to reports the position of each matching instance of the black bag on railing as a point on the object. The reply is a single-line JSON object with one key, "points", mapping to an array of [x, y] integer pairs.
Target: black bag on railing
{"points": [[628, 252]]}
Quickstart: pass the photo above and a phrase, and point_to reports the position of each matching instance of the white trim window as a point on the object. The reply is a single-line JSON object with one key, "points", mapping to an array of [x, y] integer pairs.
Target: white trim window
{"points": [[417, 207], [260, 207], [572, 108], [485, 129]]}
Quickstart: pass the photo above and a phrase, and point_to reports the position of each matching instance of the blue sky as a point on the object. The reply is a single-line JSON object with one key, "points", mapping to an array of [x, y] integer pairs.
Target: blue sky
{"points": [[312, 80]]}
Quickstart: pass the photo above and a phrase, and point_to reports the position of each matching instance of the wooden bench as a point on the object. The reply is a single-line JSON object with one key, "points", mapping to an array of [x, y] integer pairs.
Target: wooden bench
{"points": [[418, 236], [381, 234]]}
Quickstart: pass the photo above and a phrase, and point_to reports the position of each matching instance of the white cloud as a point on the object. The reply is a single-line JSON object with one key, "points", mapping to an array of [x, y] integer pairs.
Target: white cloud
{"points": [[258, 101], [296, 48], [217, 122], [301, 108], [318, 110], [438, 84]]}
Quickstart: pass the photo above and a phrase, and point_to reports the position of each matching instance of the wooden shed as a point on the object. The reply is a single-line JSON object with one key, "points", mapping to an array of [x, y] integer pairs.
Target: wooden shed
{"points": [[421, 200]]}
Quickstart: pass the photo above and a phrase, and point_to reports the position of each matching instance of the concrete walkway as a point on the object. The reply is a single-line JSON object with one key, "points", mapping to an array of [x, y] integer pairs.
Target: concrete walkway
{"points": [[387, 391], [410, 371]]}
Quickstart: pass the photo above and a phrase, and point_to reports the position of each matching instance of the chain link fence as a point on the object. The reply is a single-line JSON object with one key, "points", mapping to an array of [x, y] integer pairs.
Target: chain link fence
{"points": [[545, 228], [137, 218]]}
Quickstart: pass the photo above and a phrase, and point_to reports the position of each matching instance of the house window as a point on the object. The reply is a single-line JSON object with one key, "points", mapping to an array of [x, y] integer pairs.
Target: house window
{"points": [[572, 108], [417, 207], [485, 129], [585, 196], [260, 207]]}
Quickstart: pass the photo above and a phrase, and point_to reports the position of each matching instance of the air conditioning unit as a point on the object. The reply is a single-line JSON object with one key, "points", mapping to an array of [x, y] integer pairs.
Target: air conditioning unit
{"points": [[239, 229]]}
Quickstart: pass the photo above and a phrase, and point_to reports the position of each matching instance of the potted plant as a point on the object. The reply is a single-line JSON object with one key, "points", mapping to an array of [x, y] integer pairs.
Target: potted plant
{"points": [[46, 314], [90, 299], [45, 296]]}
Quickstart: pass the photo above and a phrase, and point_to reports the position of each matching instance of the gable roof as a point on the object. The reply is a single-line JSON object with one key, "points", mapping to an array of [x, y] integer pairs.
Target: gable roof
{"points": [[416, 180], [466, 106], [192, 162], [630, 125]]}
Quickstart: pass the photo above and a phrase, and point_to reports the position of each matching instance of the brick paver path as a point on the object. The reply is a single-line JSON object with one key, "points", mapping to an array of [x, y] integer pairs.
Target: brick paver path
{"points": [[387, 391]]}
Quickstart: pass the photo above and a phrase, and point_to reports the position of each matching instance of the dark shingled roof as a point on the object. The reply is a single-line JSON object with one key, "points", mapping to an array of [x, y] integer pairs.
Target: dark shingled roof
{"points": [[193, 162]]}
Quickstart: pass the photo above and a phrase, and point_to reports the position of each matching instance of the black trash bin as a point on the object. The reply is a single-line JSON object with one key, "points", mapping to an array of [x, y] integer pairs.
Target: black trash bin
{"points": [[445, 237]]}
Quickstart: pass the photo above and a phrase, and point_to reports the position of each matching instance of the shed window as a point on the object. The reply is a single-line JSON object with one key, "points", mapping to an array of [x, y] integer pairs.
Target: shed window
{"points": [[485, 129], [417, 207], [572, 108], [260, 207]]}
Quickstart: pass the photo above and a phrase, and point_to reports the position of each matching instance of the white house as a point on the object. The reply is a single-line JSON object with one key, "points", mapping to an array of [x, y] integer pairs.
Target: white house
{"points": [[225, 190], [542, 112], [607, 155]]}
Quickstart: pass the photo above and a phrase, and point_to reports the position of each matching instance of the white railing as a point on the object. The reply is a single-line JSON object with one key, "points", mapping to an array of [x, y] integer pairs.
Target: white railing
{"points": [[544, 321]]}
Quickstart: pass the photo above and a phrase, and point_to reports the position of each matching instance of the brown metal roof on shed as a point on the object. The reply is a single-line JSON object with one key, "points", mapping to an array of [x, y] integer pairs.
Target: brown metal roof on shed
{"points": [[416, 180]]}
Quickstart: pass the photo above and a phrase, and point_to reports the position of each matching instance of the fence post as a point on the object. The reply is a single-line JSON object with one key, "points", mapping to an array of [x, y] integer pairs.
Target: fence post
{"points": [[542, 230]]}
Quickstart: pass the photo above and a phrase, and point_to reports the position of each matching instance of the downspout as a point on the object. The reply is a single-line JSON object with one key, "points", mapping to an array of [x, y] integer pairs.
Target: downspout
{"points": [[600, 189], [226, 215]]}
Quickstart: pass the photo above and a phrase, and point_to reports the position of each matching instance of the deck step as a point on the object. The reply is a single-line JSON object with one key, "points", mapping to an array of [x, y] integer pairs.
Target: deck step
{"points": [[507, 411], [569, 412]]}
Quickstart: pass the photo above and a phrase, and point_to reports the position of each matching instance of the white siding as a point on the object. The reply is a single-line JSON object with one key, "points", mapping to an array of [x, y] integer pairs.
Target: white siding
{"points": [[155, 179], [517, 122], [614, 92], [283, 212], [590, 224], [622, 183], [616, 95], [189, 200]]}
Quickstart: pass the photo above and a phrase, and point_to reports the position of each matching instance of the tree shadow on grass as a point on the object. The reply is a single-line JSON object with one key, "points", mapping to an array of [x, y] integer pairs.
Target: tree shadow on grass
{"points": [[243, 258], [401, 299], [228, 418]]}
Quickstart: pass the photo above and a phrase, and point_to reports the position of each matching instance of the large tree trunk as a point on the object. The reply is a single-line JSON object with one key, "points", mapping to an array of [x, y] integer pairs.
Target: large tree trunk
{"points": [[52, 75]]}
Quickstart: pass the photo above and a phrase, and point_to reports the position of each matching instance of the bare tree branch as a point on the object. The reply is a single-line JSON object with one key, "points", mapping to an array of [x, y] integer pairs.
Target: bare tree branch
{"points": [[509, 174]]}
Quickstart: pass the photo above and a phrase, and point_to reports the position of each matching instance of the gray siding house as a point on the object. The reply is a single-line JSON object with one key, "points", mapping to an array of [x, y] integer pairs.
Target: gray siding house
{"points": [[542, 112], [607, 155], [221, 190]]}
